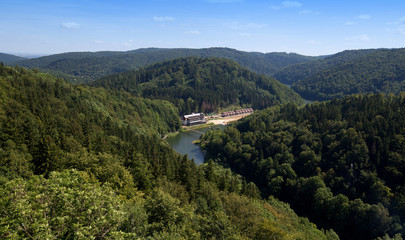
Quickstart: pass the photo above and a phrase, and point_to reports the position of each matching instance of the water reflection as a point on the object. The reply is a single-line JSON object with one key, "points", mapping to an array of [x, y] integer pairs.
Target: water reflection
{"points": [[183, 143]]}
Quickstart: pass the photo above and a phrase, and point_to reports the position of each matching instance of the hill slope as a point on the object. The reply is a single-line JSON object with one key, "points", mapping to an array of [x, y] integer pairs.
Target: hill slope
{"points": [[88, 66], [297, 72], [380, 71], [348, 72], [87, 163], [202, 84], [340, 163], [9, 58]]}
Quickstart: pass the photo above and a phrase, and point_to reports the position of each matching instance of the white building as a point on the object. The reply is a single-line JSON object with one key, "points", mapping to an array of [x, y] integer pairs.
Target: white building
{"points": [[192, 119]]}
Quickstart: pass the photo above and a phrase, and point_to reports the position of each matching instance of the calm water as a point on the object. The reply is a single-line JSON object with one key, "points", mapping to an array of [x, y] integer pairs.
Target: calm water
{"points": [[183, 143]]}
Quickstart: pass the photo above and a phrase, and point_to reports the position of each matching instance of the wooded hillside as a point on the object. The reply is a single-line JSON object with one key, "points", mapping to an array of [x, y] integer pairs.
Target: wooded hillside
{"points": [[348, 72], [79, 67], [202, 85], [9, 58], [339, 163], [80, 162]]}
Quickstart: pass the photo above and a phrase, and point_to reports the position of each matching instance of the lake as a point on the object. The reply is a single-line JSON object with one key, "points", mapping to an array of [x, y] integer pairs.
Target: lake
{"points": [[183, 143]]}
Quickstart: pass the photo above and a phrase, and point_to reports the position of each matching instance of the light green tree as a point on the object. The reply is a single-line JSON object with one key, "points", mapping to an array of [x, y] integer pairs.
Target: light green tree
{"points": [[68, 205]]}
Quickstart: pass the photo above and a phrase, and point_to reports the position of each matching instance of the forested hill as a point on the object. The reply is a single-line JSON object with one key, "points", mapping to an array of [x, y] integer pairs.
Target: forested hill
{"points": [[9, 58], [202, 85], [380, 71], [297, 72], [340, 163], [87, 66], [88, 163], [348, 72]]}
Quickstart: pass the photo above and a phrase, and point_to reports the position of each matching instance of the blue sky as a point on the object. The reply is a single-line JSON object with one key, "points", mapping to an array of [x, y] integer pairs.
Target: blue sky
{"points": [[302, 26]]}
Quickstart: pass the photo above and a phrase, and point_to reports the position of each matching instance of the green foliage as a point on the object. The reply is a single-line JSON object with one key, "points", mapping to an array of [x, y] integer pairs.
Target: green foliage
{"points": [[14, 161], [49, 125], [201, 85], [348, 72], [82, 67], [89, 163], [338, 163], [66, 206], [294, 73]]}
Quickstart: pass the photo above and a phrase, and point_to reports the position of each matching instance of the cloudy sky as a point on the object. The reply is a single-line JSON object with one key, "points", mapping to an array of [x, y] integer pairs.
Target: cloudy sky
{"points": [[309, 27]]}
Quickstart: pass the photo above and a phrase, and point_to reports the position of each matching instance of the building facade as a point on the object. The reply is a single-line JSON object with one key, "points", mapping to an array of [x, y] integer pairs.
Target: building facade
{"points": [[193, 119]]}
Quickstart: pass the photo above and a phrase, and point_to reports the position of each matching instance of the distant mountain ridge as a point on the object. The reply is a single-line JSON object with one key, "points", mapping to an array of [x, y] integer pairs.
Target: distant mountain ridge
{"points": [[88, 66], [9, 58], [348, 72]]}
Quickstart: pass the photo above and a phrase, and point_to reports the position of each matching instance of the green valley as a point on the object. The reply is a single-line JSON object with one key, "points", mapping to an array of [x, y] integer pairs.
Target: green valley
{"points": [[87, 158], [80, 162]]}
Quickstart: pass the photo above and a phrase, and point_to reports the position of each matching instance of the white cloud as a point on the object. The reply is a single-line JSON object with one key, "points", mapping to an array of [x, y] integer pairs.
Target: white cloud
{"points": [[364, 17], [399, 26], [70, 25], [291, 4], [400, 21], [128, 43], [287, 4], [276, 7], [362, 37], [163, 19], [98, 41], [399, 29], [194, 32], [360, 17]]}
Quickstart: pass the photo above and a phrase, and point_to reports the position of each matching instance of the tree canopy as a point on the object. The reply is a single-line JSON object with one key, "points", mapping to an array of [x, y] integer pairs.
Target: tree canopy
{"points": [[79, 162], [339, 163], [348, 72], [202, 85]]}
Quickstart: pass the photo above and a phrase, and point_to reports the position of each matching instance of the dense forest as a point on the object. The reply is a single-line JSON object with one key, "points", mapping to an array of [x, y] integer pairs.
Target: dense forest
{"points": [[202, 85], [380, 71], [81, 162], [348, 72], [9, 58], [297, 72], [79, 67], [339, 163]]}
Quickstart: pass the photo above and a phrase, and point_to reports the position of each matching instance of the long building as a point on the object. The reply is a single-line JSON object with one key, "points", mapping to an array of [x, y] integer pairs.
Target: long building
{"points": [[193, 119], [237, 112]]}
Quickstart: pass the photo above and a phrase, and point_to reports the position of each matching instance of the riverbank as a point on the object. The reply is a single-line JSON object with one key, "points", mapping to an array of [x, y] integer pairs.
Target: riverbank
{"points": [[184, 142]]}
